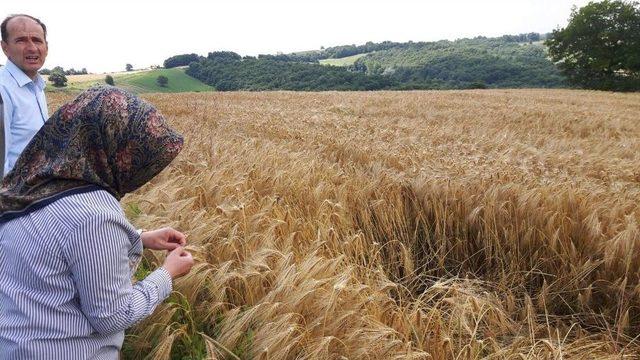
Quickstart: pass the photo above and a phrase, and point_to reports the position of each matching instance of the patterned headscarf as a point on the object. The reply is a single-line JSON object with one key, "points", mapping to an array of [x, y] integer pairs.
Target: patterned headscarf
{"points": [[106, 137]]}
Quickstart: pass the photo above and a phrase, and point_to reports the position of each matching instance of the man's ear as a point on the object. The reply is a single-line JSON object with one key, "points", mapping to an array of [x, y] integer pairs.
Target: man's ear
{"points": [[4, 48]]}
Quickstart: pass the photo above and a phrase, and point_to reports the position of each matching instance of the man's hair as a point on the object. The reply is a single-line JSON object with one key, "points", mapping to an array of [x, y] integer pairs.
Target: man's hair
{"points": [[3, 26]]}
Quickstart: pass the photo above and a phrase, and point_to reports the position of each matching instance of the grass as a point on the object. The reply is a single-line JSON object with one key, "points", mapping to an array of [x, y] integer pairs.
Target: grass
{"points": [[345, 61], [497, 224], [140, 82]]}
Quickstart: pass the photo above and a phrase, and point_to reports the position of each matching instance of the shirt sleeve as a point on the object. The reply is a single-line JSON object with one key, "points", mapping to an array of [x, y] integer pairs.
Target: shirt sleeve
{"points": [[7, 108], [99, 265]]}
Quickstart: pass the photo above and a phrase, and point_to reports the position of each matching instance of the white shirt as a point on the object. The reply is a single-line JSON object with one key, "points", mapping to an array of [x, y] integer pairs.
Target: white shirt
{"points": [[25, 110]]}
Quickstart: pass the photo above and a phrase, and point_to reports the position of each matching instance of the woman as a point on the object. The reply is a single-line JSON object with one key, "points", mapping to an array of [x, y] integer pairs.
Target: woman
{"points": [[67, 252]]}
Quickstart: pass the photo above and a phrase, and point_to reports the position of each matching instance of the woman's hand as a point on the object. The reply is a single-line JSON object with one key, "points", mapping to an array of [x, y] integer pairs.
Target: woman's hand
{"points": [[178, 263], [163, 239]]}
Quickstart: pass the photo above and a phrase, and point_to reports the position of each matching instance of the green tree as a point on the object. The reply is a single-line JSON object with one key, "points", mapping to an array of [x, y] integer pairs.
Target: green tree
{"points": [[162, 80], [180, 60], [58, 79], [600, 47], [109, 80], [129, 67]]}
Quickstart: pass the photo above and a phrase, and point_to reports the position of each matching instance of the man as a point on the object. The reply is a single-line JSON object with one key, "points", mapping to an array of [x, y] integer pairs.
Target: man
{"points": [[24, 42]]}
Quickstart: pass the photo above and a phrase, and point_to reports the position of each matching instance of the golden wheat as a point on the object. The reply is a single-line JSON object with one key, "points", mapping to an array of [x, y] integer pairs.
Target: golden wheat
{"points": [[499, 224]]}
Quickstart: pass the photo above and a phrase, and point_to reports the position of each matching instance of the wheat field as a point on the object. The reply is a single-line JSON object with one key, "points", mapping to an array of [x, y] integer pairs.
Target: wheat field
{"points": [[489, 224]]}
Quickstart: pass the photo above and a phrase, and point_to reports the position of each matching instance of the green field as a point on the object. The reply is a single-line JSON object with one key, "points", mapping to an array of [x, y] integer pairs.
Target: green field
{"points": [[345, 61], [140, 82]]}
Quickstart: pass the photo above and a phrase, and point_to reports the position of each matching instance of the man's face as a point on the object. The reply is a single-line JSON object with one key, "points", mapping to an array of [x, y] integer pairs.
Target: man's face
{"points": [[26, 45]]}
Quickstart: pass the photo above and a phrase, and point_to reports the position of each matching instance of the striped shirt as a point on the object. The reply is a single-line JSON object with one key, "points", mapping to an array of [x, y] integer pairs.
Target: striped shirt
{"points": [[65, 280]]}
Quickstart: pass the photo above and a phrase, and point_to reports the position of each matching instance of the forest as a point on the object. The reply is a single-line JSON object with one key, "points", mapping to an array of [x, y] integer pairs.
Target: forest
{"points": [[510, 61]]}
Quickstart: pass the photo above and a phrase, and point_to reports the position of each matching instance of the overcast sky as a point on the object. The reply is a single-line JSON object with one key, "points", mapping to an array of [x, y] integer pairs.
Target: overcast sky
{"points": [[104, 36]]}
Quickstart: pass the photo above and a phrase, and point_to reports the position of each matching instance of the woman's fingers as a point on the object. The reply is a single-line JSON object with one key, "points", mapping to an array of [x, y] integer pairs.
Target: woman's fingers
{"points": [[179, 262]]}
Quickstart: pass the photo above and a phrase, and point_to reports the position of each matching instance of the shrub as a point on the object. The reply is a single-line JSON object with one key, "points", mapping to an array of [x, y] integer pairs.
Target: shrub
{"points": [[162, 80]]}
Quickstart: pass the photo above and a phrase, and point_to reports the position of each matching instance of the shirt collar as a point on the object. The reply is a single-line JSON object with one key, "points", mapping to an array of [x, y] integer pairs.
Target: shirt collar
{"points": [[21, 78]]}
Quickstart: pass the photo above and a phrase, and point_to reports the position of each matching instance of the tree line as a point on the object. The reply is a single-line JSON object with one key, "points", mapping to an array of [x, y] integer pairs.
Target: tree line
{"points": [[228, 71], [61, 70]]}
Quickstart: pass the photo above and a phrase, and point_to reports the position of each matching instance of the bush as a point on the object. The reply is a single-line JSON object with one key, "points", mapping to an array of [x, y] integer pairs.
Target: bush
{"points": [[109, 80], [162, 80], [477, 85], [58, 79]]}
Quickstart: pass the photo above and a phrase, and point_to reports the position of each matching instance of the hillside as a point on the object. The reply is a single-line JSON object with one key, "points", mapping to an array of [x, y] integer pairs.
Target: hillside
{"points": [[142, 81], [493, 62], [518, 61], [510, 61]]}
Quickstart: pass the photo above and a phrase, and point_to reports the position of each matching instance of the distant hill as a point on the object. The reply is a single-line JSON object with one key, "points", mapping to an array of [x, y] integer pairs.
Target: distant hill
{"points": [[490, 62], [510, 61], [143, 81]]}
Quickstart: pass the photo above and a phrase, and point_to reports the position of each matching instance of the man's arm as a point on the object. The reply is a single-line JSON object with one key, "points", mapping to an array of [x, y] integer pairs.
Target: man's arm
{"points": [[2, 150], [7, 115]]}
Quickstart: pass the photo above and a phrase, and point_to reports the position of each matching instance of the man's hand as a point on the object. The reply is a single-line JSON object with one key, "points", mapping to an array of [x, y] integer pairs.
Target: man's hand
{"points": [[163, 239]]}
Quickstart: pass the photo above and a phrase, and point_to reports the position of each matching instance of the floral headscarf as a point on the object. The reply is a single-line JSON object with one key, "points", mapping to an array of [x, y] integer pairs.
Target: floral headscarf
{"points": [[106, 137]]}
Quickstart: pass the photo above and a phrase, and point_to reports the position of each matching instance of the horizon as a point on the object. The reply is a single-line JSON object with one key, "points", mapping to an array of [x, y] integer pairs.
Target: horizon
{"points": [[253, 28]]}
